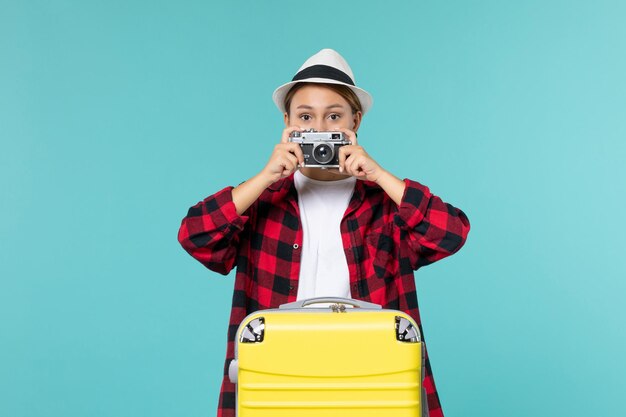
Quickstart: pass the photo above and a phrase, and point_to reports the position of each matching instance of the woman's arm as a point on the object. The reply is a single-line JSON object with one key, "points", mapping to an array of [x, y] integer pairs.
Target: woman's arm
{"points": [[435, 229], [393, 186], [210, 231], [284, 161]]}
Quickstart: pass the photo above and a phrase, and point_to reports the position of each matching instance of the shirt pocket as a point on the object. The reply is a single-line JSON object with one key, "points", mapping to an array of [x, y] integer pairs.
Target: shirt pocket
{"points": [[381, 250]]}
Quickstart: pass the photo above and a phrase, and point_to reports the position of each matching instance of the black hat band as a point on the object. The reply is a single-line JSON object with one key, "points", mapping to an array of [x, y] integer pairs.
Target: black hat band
{"points": [[323, 71]]}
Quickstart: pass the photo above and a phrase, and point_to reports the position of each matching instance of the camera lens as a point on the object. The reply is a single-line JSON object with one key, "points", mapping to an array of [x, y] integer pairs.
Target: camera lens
{"points": [[323, 153]]}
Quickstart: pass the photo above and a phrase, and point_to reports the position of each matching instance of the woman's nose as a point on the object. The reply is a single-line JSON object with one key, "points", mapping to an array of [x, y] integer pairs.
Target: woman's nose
{"points": [[320, 126]]}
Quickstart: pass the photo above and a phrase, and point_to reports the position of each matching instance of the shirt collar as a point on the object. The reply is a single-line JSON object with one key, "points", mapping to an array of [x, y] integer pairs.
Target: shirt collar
{"points": [[287, 185]]}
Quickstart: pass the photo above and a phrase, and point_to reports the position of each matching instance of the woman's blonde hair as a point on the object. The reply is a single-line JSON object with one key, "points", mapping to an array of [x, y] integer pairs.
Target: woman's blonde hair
{"points": [[340, 89]]}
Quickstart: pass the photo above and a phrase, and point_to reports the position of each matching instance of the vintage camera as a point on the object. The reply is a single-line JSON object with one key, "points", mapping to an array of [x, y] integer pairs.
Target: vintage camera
{"points": [[320, 149]]}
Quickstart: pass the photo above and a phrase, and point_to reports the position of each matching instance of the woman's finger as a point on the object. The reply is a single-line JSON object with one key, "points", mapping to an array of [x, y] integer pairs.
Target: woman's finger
{"points": [[344, 153], [347, 165], [288, 163], [358, 166], [287, 131], [296, 150], [348, 134]]}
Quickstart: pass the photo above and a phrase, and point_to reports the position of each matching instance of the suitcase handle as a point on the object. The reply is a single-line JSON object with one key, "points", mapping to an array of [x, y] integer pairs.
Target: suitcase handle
{"points": [[350, 301]]}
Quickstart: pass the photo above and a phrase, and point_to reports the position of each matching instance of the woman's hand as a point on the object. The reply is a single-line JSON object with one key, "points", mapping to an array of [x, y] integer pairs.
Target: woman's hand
{"points": [[285, 159], [353, 160]]}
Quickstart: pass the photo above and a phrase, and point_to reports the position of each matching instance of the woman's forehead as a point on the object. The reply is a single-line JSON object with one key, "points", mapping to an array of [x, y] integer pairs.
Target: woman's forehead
{"points": [[318, 96]]}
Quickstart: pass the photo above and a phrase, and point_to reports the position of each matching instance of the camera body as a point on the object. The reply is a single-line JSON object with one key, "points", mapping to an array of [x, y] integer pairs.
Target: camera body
{"points": [[320, 149]]}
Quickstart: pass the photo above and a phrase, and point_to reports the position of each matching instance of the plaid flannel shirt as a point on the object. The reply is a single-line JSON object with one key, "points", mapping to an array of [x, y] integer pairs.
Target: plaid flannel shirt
{"points": [[383, 243]]}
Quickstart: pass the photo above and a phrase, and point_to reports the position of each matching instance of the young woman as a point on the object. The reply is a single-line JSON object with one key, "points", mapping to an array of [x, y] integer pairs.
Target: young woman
{"points": [[296, 232]]}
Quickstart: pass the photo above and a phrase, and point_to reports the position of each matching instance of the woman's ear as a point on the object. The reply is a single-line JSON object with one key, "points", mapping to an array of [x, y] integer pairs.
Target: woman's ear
{"points": [[286, 117], [357, 117]]}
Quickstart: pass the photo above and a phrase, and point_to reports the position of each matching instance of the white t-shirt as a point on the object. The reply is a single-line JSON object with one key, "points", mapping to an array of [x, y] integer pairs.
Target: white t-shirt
{"points": [[323, 267]]}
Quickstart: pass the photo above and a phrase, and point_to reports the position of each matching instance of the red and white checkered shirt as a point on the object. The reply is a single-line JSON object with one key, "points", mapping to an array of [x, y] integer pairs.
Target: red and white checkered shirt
{"points": [[383, 243]]}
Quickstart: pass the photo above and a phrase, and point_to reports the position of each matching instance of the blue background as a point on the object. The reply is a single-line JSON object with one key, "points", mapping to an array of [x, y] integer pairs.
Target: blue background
{"points": [[116, 116]]}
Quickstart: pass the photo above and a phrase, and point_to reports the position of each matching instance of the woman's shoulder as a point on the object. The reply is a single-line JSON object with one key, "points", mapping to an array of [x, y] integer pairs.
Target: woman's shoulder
{"points": [[277, 195]]}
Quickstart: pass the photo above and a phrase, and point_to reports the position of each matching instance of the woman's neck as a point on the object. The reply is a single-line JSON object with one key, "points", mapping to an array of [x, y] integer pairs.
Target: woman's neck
{"points": [[322, 174]]}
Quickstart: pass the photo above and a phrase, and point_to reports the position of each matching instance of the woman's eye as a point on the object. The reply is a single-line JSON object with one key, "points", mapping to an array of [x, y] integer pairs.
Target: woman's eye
{"points": [[334, 116], [305, 117]]}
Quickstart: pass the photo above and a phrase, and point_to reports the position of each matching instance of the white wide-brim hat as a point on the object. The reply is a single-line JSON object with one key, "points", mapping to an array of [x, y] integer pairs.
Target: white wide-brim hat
{"points": [[325, 67]]}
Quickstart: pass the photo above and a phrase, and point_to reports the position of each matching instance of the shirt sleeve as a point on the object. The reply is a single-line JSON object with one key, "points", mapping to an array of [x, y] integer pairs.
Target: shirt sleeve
{"points": [[435, 229], [210, 231]]}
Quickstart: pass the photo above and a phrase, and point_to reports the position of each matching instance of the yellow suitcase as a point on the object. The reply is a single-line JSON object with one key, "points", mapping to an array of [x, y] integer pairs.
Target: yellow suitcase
{"points": [[329, 357]]}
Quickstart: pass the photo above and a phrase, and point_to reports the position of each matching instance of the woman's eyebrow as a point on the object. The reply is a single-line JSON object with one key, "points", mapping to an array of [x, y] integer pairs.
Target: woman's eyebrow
{"points": [[306, 106]]}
